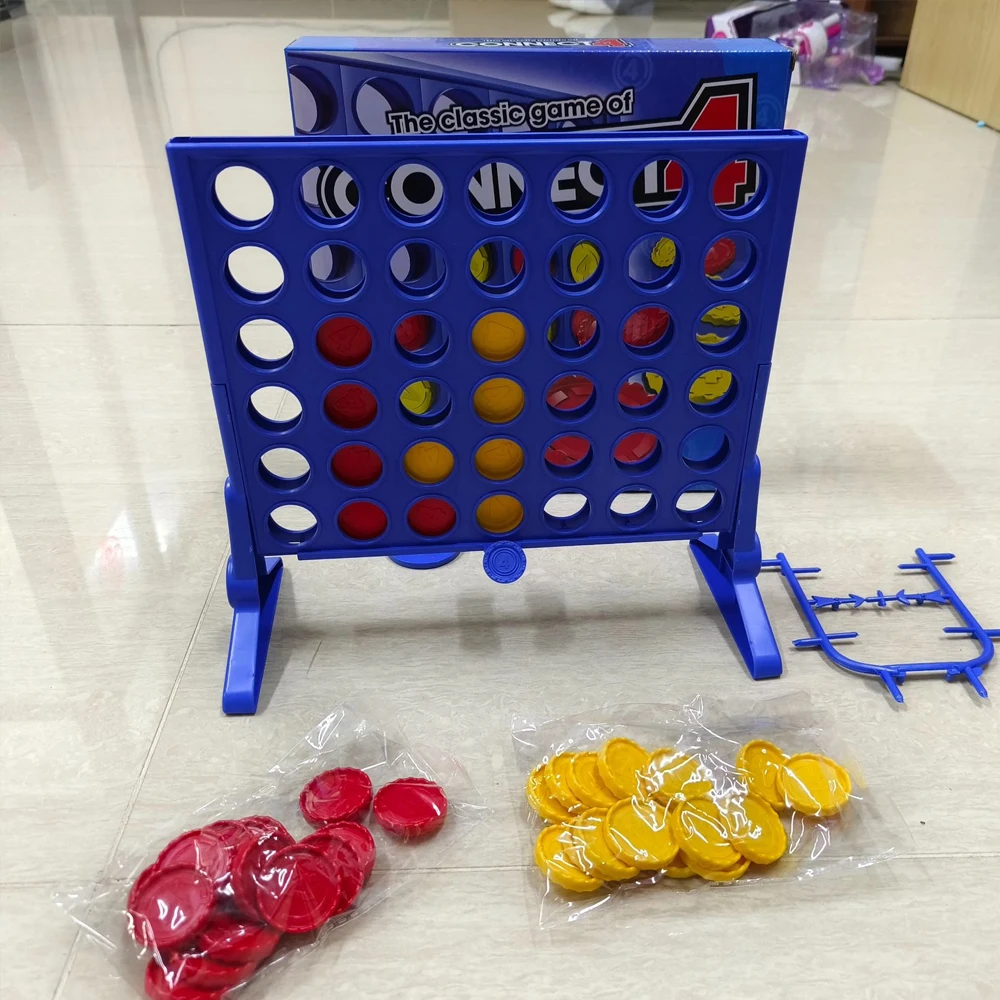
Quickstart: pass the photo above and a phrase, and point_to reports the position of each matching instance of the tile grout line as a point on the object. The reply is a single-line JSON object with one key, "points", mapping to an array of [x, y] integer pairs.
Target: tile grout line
{"points": [[133, 797]]}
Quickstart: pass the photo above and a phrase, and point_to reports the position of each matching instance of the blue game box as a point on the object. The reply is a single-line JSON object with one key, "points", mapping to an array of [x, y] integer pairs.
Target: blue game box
{"points": [[469, 86]]}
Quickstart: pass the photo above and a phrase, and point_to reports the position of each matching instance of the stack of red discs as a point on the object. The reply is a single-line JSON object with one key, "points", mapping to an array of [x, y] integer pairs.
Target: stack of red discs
{"points": [[218, 900]]}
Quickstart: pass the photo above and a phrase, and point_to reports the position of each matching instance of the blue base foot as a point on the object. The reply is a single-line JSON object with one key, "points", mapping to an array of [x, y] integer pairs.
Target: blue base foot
{"points": [[254, 603], [742, 608], [425, 560]]}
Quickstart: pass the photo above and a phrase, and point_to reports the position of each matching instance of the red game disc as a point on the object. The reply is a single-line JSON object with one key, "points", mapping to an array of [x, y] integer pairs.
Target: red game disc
{"points": [[139, 885], [635, 447], [584, 326], [342, 793], [357, 836], [157, 987], [263, 826], [721, 255], [356, 465], [362, 520], [431, 517], [204, 973], [344, 341], [567, 450], [634, 395], [350, 405], [230, 939], [172, 907], [346, 863], [645, 327], [413, 332], [517, 260], [569, 392], [201, 849], [299, 891], [250, 860], [411, 807]]}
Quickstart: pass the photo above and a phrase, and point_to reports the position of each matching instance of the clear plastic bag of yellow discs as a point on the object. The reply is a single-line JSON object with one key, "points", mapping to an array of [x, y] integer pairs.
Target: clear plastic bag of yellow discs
{"points": [[664, 800]]}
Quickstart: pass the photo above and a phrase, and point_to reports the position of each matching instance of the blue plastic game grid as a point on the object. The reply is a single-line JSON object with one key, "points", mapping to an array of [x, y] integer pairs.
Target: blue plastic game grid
{"points": [[722, 533]]}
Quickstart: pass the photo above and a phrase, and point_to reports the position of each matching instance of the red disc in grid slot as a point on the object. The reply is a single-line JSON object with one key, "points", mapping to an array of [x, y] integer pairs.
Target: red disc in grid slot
{"points": [[569, 392], [431, 517], [646, 327], [721, 255], [356, 465], [584, 326], [567, 450], [635, 447], [517, 260], [344, 341], [362, 520], [414, 332], [350, 405]]}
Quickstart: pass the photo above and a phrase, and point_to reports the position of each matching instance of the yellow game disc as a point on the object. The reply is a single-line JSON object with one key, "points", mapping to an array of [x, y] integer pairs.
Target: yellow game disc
{"points": [[664, 252], [555, 774], [815, 785], [671, 772], [755, 830], [720, 874], [709, 338], [555, 858], [499, 514], [639, 833], [587, 784], [700, 830], [498, 336], [418, 397], [680, 868], [498, 400], [655, 382], [428, 462], [621, 764], [481, 264], [538, 797], [584, 260], [710, 387], [722, 316], [596, 856], [499, 459], [760, 764]]}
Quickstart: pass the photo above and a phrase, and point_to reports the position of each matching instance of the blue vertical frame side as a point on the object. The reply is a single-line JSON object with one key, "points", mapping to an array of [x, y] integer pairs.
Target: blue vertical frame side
{"points": [[253, 581]]}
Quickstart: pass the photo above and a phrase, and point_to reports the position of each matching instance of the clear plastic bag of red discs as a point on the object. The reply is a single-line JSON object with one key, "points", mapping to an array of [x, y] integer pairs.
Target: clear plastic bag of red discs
{"points": [[689, 797], [226, 897]]}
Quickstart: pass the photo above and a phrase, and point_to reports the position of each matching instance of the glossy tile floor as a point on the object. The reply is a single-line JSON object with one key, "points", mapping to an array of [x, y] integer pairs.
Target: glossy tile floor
{"points": [[882, 433]]}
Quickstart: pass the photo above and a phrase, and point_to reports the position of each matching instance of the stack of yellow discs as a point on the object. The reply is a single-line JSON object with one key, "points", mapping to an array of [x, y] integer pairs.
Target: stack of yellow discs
{"points": [[623, 812]]}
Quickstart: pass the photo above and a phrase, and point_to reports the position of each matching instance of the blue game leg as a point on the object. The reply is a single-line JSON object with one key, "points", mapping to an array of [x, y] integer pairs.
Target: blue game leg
{"points": [[252, 585], [742, 607]]}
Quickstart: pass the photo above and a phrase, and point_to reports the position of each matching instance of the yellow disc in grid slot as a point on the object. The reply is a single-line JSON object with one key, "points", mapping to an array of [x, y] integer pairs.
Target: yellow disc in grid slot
{"points": [[428, 462], [701, 832], [755, 829], [639, 833], [584, 260], [482, 263], [498, 400], [587, 784], [418, 397], [499, 514], [554, 854], [722, 316], [621, 763], [499, 459], [596, 856], [555, 773], [710, 387], [498, 336], [537, 793], [759, 763], [815, 785], [664, 252]]}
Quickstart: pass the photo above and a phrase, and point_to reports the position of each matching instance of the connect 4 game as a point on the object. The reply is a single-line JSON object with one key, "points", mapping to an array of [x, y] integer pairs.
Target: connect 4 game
{"points": [[489, 345]]}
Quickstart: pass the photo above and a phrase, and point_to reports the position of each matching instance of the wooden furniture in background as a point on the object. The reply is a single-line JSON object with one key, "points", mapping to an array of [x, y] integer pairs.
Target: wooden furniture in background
{"points": [[894, 20], [954, 56]]}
